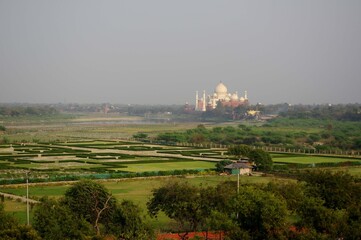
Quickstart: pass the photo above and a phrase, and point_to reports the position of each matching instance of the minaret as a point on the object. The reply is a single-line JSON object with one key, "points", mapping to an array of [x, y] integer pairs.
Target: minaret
{"points": [[204, 101], [196, 108], [245, 95]]}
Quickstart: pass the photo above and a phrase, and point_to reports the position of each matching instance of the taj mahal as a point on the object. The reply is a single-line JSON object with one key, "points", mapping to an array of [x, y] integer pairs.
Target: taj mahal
{"points": [[221, 96]]}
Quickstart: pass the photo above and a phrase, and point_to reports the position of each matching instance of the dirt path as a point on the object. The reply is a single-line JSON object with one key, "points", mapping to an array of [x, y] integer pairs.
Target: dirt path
{"points": [[16, 197]]}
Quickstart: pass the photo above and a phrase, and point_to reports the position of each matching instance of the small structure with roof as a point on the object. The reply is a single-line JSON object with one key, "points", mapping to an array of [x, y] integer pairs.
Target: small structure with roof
{"points": [[240, 168]]}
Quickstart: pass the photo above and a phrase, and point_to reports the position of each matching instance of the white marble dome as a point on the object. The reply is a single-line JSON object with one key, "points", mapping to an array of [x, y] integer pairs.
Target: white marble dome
{"points": [[221, 89]]}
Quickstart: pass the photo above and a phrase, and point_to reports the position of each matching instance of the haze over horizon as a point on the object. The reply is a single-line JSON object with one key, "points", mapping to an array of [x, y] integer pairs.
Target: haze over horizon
{"points": [[161, 52]]}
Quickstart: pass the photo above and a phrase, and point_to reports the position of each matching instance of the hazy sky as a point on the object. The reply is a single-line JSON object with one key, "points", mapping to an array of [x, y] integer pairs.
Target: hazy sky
{"points": [[150, 52]]}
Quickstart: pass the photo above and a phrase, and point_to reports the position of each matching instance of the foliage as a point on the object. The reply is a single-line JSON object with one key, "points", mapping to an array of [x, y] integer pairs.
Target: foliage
{"points": [[260, 213], [239, 150], [29, 109], [85, 205], [262, 159], [54, 220], [221, 164], [313, 214], [91, 201], [179, 201], [10, 229], [292, 192], [140, 135], [338, 189], [127, 222]]}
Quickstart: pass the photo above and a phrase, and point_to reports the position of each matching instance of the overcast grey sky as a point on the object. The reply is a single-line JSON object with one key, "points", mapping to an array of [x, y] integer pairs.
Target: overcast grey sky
{"points": [[151, 52]]}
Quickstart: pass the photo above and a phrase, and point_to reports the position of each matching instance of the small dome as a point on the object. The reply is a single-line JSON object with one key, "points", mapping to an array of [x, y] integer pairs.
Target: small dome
{"points": [[241, 99], [227, 99], [234, 97], [221, 88]]}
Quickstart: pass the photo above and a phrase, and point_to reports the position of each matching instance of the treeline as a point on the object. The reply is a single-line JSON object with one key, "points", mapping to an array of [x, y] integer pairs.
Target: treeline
{"points": [[16, 110], [325, 135], [344, 112]]}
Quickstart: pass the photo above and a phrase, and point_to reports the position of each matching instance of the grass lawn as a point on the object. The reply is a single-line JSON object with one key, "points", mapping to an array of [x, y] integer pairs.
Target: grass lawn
{"points": [[310, 159], [15, 208]]}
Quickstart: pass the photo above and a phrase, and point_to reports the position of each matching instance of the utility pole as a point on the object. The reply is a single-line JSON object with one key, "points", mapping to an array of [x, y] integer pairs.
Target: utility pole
{"points": [[238, 182]]}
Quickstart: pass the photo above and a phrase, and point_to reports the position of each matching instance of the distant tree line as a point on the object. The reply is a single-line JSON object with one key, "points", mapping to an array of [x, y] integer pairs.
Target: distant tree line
{"points": [[329, 135], [16, 110], [344, 112]]}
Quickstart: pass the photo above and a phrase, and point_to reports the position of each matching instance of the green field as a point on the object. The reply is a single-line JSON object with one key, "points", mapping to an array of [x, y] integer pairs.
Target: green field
{"points": [[309, 159]]}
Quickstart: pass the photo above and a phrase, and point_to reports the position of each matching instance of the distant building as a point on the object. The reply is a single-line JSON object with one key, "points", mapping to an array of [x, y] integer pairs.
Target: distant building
{"points": [[221, 96], [240, 168]]}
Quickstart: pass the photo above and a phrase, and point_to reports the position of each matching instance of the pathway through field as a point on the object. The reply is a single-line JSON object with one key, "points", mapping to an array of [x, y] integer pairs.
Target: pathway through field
{"points": [[16, 197]]}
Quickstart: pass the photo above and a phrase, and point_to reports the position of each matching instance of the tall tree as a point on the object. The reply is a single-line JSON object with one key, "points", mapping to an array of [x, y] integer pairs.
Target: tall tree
{"points": [[179, 201], [127, 222], [260, 213], [53, 220], [91, 201], [262, 159], [239, 150]]}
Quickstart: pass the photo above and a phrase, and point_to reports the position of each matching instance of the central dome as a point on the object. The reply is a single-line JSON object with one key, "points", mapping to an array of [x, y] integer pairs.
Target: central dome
{"points": [[221, 88]]}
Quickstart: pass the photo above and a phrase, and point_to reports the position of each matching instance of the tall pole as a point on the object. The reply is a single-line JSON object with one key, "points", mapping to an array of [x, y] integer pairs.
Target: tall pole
{"points": [[238, 182], [27, 198]]}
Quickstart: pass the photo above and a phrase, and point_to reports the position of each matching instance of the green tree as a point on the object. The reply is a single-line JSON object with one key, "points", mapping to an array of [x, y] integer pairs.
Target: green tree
{"points": [[127, 222], [91, 201], [262, 159], [221, 164], [179, 201], [140, 135], [55, 221], [338, 190], [260, 213], [314, 215], [239, 150], [292, 192]]}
